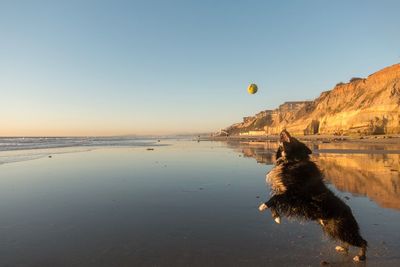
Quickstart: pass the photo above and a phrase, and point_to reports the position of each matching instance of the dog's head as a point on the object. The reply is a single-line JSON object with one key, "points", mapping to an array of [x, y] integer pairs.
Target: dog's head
{"points": [[291, 149]]}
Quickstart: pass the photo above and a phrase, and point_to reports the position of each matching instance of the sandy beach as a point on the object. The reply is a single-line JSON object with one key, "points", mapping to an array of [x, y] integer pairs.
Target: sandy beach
{"points": [[184, 204]]}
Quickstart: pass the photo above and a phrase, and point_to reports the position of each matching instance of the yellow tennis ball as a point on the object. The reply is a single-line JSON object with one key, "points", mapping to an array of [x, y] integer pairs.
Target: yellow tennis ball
{"points": [[252, 89]]}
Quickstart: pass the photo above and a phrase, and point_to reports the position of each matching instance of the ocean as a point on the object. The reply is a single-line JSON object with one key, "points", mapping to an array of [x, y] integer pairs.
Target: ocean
{"points": [[14, 149]]}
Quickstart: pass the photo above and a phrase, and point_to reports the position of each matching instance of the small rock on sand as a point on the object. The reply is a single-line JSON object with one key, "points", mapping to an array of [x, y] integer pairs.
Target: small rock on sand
{"points": [[149, 149]]}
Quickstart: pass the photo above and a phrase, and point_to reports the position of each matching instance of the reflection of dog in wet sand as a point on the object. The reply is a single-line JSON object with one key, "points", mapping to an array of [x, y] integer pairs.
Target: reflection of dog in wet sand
{"points": [[299, 191]]}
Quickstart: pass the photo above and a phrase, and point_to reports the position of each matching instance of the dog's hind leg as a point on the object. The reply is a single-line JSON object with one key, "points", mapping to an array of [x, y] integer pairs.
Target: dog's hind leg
{"points": [[344, 248], [361, 254], [357, 241]]}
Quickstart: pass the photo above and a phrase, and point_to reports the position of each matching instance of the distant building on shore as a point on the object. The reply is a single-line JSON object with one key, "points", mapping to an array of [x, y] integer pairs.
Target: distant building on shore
{"points": [[252, 133]]}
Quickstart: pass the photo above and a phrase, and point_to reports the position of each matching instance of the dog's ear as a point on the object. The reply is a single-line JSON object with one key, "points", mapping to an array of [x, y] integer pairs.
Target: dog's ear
{"points": [[303, 151], [278, 153], [285, 136], [308, 150]]}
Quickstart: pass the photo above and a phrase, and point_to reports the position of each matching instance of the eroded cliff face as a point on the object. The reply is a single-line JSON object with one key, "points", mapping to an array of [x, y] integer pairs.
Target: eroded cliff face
{"points": [[362, 106]]}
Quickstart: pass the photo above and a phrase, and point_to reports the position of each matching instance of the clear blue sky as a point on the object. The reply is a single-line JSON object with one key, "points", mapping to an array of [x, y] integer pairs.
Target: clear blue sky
{"points": [[125, 67]]}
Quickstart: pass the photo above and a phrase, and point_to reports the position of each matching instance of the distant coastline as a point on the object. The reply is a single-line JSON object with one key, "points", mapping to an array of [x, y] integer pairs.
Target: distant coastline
{"points": [[369, 139]]}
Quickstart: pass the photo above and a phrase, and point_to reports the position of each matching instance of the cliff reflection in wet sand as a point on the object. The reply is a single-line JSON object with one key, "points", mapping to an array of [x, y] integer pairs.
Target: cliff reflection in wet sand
{"points": [[374, 173]]}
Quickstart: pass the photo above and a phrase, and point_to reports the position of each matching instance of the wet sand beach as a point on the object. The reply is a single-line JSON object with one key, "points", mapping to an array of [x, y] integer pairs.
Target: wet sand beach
{"points": [[187, 204]]}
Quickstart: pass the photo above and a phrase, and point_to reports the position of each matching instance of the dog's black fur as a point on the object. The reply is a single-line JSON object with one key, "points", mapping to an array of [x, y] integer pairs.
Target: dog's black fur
{"points": [[299, 191]]}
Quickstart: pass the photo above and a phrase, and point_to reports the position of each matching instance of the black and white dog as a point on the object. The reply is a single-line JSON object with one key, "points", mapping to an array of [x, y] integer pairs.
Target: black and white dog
{"points": [[299, 192]]}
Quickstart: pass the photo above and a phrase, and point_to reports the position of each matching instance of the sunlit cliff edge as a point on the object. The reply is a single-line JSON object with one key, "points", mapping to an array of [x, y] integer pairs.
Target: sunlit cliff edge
{"points": [[363, 106]]}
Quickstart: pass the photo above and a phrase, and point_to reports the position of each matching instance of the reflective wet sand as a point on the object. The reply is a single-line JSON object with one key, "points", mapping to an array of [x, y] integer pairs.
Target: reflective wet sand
{"points": [[371, 170], [187, 204]]}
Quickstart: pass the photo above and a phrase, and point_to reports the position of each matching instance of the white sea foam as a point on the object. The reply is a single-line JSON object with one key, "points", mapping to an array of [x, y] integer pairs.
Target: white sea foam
{"points": [[24, 143], [15, 149]]}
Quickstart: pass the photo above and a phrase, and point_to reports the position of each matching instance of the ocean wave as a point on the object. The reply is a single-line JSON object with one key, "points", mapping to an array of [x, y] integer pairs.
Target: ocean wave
{"points": [[16, 149], [28, 143]]}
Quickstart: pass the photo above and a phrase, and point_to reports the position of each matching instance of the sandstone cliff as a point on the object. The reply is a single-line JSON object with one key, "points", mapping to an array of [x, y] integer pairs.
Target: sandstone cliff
{"points": [[362, 106]]}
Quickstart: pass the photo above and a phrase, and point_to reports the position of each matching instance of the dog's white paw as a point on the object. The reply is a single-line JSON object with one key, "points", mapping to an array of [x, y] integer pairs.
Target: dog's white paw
{"points": [[277, 220], [341, 249], [359, 258], [262, 207]]}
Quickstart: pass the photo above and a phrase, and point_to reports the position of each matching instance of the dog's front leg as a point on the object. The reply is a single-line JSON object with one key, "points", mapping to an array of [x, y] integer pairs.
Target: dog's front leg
{"points": [[271, 205]]}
